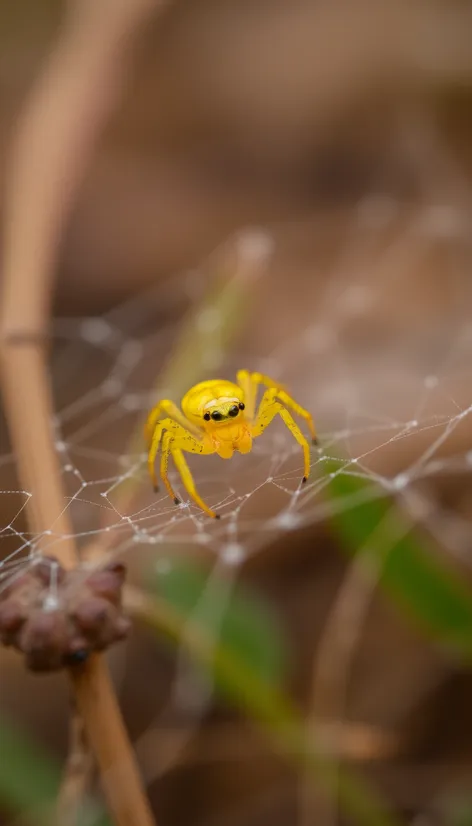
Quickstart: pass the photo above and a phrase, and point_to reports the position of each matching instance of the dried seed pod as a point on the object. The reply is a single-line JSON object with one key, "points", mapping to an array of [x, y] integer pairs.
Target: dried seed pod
{"points": [[122, 627], [44, 639], [61, 627], [46, 569], [19, 583], [12, 618], [77, 657], [77, 653], [91, 614], [108, 582]]}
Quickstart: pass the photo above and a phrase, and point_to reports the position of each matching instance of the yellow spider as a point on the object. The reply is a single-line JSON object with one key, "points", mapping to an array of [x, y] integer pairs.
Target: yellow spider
{"points": [[219, 417]]}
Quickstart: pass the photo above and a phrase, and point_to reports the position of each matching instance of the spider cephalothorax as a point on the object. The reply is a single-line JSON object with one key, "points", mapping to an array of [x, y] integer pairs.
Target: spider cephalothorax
{"points": [[220, 417]]}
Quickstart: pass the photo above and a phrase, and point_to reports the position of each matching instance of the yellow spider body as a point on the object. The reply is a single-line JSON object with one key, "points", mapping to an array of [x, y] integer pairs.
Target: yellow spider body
{"points": [[220, 417]]}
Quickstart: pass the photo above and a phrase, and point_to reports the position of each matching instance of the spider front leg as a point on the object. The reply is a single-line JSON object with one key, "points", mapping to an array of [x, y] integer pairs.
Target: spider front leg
{"points": [[176, 439], [167, 440], [167, 409], [249, 382], [155, 442], [187, 480], [268, 409], [297, 408]]}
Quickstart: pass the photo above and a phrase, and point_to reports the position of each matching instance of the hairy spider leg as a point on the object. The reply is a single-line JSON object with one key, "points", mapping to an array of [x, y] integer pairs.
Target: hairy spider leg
{"points": [[169, 409], [250, 391], [193, 445], [268, 409], [156, 438], [166, 447], [249, 383], [175, 440], [188, 482], [255, 379]]}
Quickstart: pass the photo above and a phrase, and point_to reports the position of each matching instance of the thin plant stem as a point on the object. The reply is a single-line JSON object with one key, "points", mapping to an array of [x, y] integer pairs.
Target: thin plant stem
{"points": [[55, 136], [77, 774]]}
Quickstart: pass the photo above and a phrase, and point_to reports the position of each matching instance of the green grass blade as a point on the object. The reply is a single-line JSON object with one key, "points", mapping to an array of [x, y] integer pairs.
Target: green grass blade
{"points": [[230, 613], [267, 705], [30, 780], [417, 577]]}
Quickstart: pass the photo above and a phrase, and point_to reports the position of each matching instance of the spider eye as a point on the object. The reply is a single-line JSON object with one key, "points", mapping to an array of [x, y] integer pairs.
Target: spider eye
{"points": [[241, 405], [207, 417], [216, 416], [233, 411]]}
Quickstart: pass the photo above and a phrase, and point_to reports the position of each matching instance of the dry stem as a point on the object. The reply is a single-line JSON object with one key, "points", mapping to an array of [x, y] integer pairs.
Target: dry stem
{"points": [[97, 702], [77, 775], [54, 140]]}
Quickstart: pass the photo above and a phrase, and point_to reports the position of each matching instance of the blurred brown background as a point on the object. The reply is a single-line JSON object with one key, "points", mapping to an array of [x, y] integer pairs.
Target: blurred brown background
{"points": [[345, 129]]}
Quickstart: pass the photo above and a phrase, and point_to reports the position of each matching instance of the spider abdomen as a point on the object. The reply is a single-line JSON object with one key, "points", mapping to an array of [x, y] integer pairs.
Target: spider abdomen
{"points": [[218, 394]]}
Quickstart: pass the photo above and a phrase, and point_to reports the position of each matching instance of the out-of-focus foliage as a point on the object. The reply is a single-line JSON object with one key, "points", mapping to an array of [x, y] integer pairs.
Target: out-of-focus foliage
{"points": [[251, 688], [422, 581], [236, 620], [30, 780]]}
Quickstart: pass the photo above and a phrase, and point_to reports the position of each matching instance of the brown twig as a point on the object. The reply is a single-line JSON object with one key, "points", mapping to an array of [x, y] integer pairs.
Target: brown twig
{"points": [[77, 773], [108, 739], [55, 136]]}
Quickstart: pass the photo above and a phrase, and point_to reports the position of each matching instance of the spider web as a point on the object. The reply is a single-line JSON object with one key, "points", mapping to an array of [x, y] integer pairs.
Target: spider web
{"points": [[371, 333], [377, 346]]}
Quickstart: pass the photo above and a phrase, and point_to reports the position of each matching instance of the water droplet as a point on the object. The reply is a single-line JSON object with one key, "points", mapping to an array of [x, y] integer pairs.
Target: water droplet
{"points": [[255, 245], [287, 520], [233, 553], [95, 330], [400, 481], [112, 387], [50, 603], [430, 382]]}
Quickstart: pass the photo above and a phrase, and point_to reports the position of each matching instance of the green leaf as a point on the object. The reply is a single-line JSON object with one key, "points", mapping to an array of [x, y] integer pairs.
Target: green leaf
{"points": [[266, 704], [419, 579], [30, 780], [455, 807], [230, 613]]}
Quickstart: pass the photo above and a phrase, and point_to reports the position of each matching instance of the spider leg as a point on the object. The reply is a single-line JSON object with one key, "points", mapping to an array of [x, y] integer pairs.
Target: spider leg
{"points": [[249, 389], [188, 482], [167, 409], [156, 439], [175, 440], [297, 408], [280, 392], [268, 409], [166, 449], [186, 438]]}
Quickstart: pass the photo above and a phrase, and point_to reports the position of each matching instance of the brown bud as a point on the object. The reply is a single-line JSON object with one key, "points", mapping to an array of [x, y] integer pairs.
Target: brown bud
{"points": [[116, 568], [47, 569], [77, 653], [91, 614], [11, 617], [108, 583], [44, 640], [18, 584], [122, 626], [87, 614]]}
